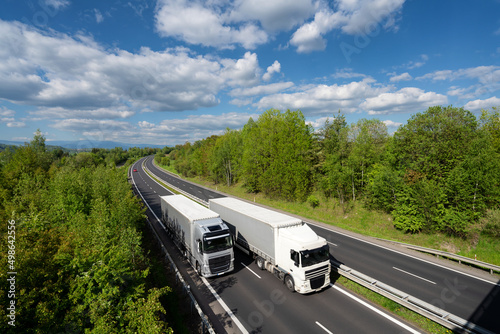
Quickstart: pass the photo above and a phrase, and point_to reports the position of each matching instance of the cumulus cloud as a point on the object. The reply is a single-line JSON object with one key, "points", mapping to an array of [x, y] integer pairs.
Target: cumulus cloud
{"points": [[482, 104], [324, 99], [196, 23], [409, 99], [54, 70], [359, 17], [274, 68], [401, 77]]}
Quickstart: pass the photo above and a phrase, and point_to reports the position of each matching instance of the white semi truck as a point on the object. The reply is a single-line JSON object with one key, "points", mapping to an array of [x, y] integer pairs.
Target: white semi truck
{"points": [[281, 244], [200, 234]]}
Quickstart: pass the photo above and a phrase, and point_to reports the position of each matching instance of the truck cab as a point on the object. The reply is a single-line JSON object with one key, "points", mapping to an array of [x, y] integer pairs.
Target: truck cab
{"points": [[307, 259], [214, 248]]}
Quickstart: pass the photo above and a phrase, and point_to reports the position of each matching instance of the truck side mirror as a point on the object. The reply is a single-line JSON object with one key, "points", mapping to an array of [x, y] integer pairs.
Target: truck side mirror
{"points": [[199, 247]]}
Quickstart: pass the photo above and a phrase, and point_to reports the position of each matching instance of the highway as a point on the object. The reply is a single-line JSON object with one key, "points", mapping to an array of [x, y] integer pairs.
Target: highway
{"points": [[467, 296], [254, 301]]}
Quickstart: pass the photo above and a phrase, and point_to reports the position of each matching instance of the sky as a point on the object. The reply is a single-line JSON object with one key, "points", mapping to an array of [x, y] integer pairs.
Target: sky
{"points": [[169, 71]]}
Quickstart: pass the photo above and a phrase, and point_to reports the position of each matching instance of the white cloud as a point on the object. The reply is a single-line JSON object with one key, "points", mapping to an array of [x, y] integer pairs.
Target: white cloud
{"points": [[487, 79], [98, 16], [406, 100], [324, 99], [482, 104], [196, 23], [54, 70], [309, 38], [353, 17], [262, 89], [364, 15], [276, 15], [243, 72], [16, 124], [57, 4], [401, 77], [392, 124], [274, 68]]}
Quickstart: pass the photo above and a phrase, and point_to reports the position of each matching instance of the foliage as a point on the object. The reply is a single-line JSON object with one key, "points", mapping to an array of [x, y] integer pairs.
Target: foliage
{"points": [[313, 201], [78, 250]]}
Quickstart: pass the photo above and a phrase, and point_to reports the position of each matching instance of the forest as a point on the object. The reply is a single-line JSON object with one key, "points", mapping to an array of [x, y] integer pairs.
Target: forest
{"points": [[439, 172], [77, 244]]}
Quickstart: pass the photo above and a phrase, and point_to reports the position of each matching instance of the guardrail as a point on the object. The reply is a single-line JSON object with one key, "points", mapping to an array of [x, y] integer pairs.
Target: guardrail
{"points": [[205, 323], [455, 257], [421, 307], [429, 311]]}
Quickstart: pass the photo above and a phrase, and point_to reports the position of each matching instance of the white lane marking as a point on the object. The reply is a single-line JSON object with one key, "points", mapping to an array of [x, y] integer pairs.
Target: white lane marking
{"points": [[224, 306], [323, 327], [411, 256], [331, 243], [424, 279], [253, 272], [376, 310]]}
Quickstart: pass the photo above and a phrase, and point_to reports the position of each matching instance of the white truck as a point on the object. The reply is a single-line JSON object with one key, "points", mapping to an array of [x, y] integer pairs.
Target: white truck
{"points": [[281, 244], [199, 233]]}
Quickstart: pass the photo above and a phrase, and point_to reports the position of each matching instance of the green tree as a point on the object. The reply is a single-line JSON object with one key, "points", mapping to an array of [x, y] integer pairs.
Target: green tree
{"points": [[226, 157], [275, 155]]}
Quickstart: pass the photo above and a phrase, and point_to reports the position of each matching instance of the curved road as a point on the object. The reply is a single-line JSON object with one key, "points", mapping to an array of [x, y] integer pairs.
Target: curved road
{"points": [[260, 303], [469, 297]]}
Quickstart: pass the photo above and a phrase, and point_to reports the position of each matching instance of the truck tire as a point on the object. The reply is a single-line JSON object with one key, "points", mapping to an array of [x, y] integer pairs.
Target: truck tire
{"points": [[198, 268], [260, 263], [290, 285]]}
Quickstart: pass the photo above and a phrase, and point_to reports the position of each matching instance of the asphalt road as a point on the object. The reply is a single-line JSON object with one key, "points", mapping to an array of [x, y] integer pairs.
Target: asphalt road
{"points": [[260, 303], [468, 297]]}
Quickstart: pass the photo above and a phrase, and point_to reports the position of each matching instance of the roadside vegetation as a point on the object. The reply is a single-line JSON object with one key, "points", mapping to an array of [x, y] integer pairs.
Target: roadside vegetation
{"points": [[434, 182], [79, 256]]}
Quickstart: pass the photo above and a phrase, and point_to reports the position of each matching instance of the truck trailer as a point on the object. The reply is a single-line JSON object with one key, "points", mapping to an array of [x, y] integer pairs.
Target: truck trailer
{"points": [[200, 234], [281, 244]]}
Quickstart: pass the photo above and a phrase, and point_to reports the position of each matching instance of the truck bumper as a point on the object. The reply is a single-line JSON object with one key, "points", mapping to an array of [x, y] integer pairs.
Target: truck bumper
{"points": [[305, 287]]}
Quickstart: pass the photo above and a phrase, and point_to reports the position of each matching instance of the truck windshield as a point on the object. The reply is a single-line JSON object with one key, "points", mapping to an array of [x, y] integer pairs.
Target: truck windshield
{"points": [[219, 243], [314, 256]]}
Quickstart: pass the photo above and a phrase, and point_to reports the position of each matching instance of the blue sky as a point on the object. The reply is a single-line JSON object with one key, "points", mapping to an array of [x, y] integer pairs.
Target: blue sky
{"points": [[170, 71]]}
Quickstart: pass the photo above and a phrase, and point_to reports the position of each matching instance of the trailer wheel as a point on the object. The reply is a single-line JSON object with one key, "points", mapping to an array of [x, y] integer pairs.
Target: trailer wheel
{"points": [[260, 263], [290, 285]]}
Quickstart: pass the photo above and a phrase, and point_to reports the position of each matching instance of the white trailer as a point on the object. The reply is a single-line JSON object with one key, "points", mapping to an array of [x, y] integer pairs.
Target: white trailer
{"points": [[200, 234], [281, 244]]}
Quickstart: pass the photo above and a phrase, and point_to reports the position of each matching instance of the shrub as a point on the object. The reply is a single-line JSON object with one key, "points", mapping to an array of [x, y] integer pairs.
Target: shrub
{"points": [[313, 201]]}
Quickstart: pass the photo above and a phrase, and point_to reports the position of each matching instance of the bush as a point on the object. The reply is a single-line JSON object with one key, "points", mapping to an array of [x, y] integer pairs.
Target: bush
{"points": [[313, 201]]}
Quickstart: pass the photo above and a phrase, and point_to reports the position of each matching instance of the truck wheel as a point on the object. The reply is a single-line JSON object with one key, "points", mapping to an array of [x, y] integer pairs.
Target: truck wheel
{"points": [[290, 285], [260, 262], [198, 268]]}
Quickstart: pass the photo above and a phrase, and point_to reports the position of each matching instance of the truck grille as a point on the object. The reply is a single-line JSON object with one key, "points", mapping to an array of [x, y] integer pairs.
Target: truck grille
{"points": [[219, 264], [318, 272], [317, 282]]}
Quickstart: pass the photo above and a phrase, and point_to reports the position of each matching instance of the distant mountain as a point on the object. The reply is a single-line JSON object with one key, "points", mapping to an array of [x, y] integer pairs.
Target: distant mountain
{"points": [[86, 144]]}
